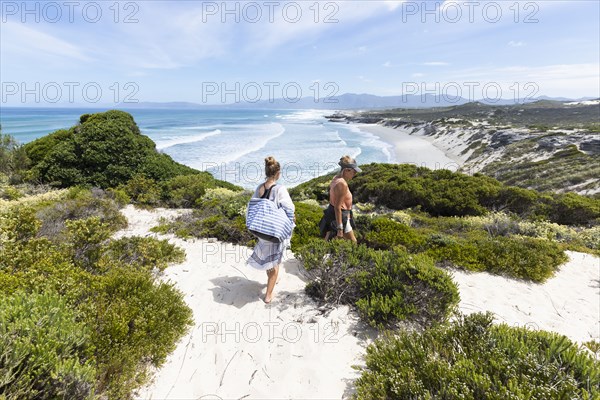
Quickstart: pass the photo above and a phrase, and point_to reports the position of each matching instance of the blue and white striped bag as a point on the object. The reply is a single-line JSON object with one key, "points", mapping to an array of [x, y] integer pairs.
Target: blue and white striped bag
{"points": [[267, 222]]}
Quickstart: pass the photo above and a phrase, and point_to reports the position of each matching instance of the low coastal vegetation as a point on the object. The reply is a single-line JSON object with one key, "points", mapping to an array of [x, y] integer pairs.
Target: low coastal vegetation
{"points": [[82, 315], [386, 287], [103, 316], [544, 145], [471, 358]]}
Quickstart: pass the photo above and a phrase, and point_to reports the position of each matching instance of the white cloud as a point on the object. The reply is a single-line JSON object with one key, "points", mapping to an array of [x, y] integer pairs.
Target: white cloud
{"points": [[265, 36], [21, 39], [512, 43], [568, 80], [393, 4], [387, 64], [169, 38], [435, 63]]}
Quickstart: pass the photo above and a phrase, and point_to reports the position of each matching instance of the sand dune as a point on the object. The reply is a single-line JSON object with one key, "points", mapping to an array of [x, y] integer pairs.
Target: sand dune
{"points": [[240, 347]]}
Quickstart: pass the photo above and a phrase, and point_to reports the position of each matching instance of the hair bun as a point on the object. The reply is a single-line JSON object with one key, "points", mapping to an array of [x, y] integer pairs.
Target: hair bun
{"points": [[270, 160]]}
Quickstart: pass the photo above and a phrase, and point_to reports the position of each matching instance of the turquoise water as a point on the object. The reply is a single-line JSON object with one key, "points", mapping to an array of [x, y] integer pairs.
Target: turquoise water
{"points": [[231, 144]]}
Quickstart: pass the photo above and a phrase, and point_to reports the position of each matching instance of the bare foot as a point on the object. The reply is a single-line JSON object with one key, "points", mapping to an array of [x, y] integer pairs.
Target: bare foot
{"points": [[268, 299]]}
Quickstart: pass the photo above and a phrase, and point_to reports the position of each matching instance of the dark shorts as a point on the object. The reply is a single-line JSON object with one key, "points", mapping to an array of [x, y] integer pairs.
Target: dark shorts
{"points": [[329, 224]]}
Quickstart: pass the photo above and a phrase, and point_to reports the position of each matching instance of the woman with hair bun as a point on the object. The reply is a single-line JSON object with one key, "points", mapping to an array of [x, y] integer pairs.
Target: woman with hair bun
{"points": [[338, 220], [268, 255]]}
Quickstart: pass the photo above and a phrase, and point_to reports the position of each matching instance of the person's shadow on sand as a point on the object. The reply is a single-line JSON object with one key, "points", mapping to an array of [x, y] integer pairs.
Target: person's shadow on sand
{"points": [[236, 290], [295, 267]]}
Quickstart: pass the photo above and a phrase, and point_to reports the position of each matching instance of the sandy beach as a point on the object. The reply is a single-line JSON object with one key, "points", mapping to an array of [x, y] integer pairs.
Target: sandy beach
{"points": [[412, 149], [239, 347]]}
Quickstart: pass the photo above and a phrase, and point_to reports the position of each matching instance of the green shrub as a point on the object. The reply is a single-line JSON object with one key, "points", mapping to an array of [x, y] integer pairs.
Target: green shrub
{"points": [[119, 196], [105, 150], [107, 285], [134, 322], [446, 193], [86, 237], [13, 159], [439, 192], [221, 214], [383, 233], [44, 352], [385, 286], [572, 209], [525, 258], [11, 193], [523, 202], [307, 224], [142, 252], [19, 224], [38, 149], [448, 250], [81, 203], [516, 257], [315, 189], [187, 190], [473, 359], [143, 191]]}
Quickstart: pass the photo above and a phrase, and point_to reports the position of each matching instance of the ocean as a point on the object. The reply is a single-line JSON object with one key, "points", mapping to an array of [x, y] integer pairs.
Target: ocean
{"points": [[230, 144]]}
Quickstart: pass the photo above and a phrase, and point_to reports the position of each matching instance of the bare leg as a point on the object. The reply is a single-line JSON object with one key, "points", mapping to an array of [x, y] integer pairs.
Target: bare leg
{"points": [[350, 236], [271, 280]]}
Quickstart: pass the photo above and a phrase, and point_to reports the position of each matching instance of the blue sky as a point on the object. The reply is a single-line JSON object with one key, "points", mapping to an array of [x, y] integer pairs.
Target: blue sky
{"points": [[192, 50]]}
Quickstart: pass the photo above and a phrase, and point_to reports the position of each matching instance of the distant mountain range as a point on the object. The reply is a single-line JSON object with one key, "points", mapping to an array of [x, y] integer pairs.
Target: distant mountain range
{"points": [[347, 101], [350, 101]]}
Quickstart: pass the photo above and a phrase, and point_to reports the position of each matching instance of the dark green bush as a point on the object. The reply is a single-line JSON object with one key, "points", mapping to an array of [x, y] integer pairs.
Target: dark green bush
{"points": [[473, 359], [446, 193], [142, 191], [572, 209], [187, 190], [44, 352], [105, 150], [383, 233], [315, 189], [521, 201], [448, 250], [385, 286], [39, 148], [439, 192], [516, 257], [307, 224]]}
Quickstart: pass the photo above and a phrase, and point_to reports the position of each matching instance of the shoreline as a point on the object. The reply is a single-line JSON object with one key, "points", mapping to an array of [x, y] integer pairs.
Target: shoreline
{"points": [[411, 149]]}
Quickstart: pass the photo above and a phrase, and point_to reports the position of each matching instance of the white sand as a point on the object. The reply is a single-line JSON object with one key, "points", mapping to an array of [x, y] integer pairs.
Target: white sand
{"points": [[568, 303], [411, 149], [240, 347]]}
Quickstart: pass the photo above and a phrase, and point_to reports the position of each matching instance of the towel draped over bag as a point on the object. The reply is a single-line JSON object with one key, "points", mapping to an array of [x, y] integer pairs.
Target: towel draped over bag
{"points": [[267, 221]]}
